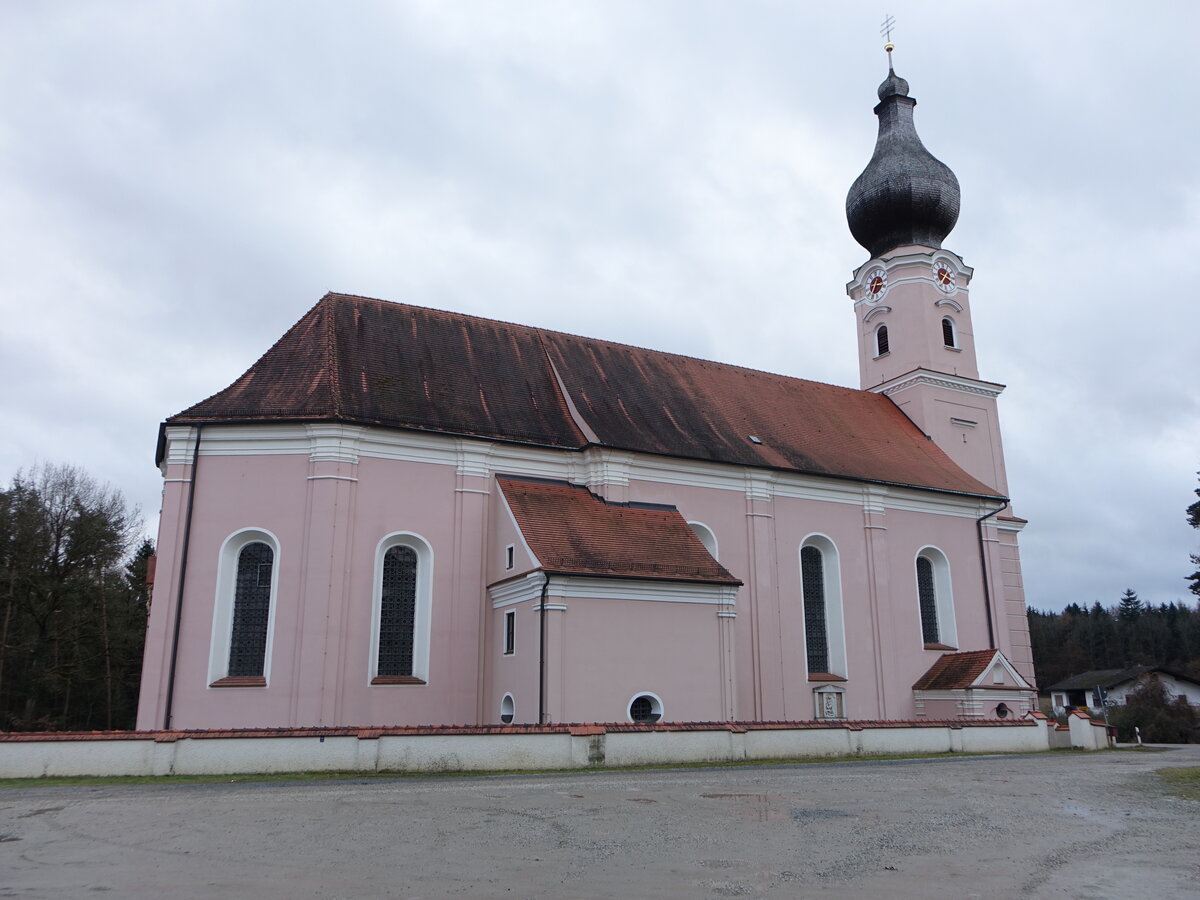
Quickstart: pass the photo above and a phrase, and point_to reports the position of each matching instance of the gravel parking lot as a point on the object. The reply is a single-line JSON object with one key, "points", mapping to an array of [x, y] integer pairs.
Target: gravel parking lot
{"points": [[1050, 825]]}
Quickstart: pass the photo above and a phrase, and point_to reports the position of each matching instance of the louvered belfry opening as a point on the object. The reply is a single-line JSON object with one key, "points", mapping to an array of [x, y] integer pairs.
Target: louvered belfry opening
{"points": [[927, 594], [948, 332], [881, 341], [397, 612], [816, 636], [251, 610]]}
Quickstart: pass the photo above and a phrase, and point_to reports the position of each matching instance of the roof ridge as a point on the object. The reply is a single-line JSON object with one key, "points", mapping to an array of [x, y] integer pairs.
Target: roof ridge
{"points": [[331, 354], [542, 332]]}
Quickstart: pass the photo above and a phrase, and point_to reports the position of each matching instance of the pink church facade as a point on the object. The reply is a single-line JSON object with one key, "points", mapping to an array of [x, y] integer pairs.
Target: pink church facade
{"points": [[400, 516]]}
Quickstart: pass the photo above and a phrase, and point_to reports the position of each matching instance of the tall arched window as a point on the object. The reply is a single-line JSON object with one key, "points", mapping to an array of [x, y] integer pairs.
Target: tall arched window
{"points": [[397, 611], [244, 610], [251, 610], [816, 637], [935, 599], [927, 596], [401, 610], [949, 333], [881, 340], [824, 625]]}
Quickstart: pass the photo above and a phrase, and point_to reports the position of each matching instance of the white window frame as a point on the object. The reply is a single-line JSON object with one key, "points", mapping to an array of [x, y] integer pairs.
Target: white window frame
{"points": [[508, 707], [656, 706], [510, 616], [424, 607], [953, 333], [835, 615], [707, 537], [222, 627], [943, 595], [875, 337]]}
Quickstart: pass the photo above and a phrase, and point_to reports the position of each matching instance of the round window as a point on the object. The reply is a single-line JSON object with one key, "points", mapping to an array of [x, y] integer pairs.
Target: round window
{"points": [[1002, 711], [507, 709], [645, 708]]}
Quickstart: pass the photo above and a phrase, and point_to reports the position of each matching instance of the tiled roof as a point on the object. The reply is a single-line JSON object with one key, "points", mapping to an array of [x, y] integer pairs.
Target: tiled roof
{"points": [[956, 671], [572, 531], [1109, 678], [358, 360]]}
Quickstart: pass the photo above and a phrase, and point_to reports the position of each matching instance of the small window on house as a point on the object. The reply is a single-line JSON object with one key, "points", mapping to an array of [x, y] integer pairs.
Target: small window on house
{"points": [[645, 708], [881, 341], [508, 709], [510, 632], [509, 557], [949, 337], [1002, 711], [251, 610]]}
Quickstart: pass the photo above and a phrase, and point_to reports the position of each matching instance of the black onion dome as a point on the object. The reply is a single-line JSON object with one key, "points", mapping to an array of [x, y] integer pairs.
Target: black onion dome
{"points": [[904, 195]]}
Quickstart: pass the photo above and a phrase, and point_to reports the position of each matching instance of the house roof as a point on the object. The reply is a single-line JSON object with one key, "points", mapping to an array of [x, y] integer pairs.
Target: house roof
{"points": [[572, 531], [359, 360], [1110, 678]]}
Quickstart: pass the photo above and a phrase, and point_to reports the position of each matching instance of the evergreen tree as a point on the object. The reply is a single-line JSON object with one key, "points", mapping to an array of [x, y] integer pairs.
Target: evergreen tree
{"points": [[71, 626], [1193, 517]]}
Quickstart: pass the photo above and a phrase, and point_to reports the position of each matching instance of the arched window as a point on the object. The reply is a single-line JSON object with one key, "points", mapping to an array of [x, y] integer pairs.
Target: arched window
{"points": [[881, 340], [401, 611], [816, 637], [251, 610], [397, 611], [949, 333], [707, 538], [508, 709], [824, 621], [244, 610], [935, 600]]}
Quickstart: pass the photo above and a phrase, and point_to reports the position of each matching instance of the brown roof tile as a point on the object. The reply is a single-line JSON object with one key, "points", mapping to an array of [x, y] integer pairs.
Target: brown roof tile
{"points": [[955, 671], [359, 360], [572, 531]]}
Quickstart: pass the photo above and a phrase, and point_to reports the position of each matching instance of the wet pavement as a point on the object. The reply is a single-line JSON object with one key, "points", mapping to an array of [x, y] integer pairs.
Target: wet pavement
{"points": [[1049, 825]]}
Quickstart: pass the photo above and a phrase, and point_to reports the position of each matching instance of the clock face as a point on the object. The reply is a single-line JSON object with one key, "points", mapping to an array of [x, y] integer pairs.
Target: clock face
{"points": [[943, 275], [876, 284]]}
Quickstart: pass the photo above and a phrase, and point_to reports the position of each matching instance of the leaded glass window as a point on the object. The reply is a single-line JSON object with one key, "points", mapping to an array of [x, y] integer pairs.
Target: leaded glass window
{"points": [[251, 610], [398, 611], [927, 595], [816, 635]]}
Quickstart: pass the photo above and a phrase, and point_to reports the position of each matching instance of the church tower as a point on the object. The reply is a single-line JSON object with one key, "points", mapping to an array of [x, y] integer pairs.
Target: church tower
{"points": [[911, 299], [916, 341]]}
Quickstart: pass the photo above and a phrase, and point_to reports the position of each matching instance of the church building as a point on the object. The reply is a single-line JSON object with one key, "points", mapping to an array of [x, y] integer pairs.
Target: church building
{"points": [[405, 516]]}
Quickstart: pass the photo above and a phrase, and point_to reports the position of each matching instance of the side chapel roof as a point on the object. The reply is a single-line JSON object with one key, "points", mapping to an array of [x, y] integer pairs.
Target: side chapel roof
{"points": [[572, 531], [365, 361], [961, 671]]}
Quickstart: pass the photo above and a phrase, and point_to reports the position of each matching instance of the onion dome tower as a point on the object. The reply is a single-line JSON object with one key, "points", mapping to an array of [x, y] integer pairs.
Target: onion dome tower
{"points": [[911, 298], [905, 195]]}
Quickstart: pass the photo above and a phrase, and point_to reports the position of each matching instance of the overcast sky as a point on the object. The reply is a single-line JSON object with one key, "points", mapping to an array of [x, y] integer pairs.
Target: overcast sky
{"points": [[180, 182]]}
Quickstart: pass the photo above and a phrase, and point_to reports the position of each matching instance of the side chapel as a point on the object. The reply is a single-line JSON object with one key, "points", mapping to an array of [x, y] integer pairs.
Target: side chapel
{"points": [[404, 516]]}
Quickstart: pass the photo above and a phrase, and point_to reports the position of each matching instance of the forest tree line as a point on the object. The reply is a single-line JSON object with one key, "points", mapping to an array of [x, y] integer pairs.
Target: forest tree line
{"points": [[73, 603], [1130, 633]]}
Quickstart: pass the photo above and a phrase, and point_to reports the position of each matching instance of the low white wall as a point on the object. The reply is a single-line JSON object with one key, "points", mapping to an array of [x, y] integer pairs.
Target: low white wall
{"points": [[554, 747]]}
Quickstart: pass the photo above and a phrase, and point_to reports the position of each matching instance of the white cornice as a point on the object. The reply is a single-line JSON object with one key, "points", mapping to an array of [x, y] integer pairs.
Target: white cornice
{"points": [[334, 442], [572, 587], [923, 377], [608, 467]]}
